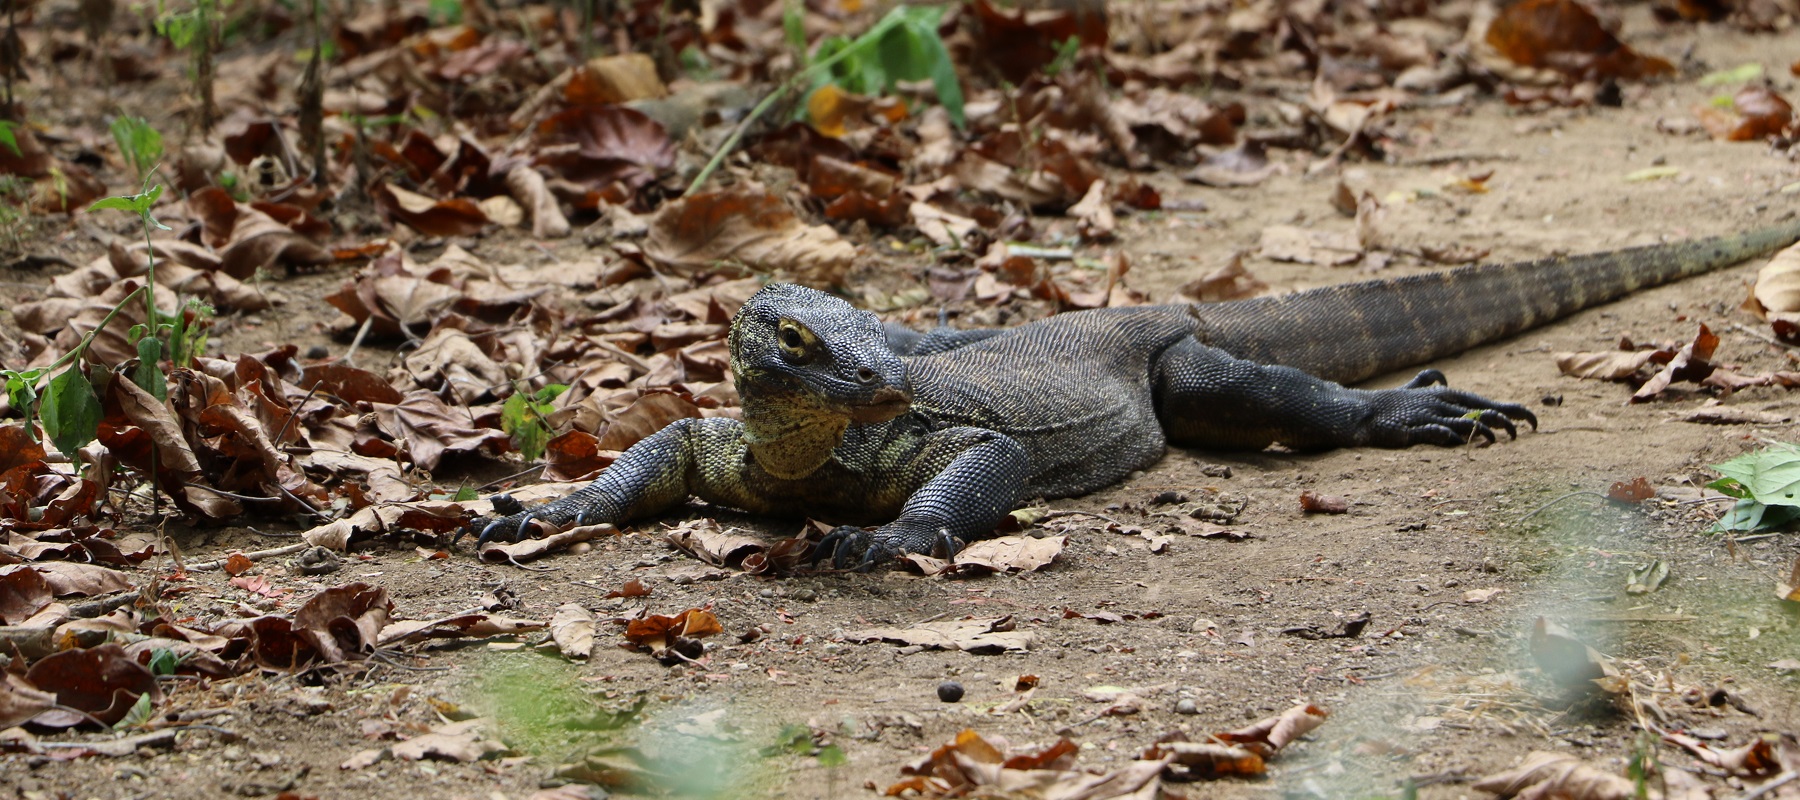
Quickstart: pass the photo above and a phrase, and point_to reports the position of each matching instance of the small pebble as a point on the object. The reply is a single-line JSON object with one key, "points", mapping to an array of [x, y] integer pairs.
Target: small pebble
{"points": [[1186, 706], [950, 691], [316, 352]]}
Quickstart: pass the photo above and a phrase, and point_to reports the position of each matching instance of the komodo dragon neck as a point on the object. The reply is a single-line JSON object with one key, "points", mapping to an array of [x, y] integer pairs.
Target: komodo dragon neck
{"points": [[788, 438]]}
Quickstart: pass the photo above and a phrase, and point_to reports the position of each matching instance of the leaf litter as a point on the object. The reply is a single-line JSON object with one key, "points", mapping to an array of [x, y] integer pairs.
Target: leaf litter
{"points": [[539, 149]]}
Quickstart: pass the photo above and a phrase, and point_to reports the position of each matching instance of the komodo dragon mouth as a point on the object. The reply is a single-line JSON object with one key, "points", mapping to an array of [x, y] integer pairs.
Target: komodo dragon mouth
{"points": [[887, 403]]}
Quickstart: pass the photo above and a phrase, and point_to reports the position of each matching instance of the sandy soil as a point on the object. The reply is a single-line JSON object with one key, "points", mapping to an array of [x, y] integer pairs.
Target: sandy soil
{"points": [[1436, 690]]}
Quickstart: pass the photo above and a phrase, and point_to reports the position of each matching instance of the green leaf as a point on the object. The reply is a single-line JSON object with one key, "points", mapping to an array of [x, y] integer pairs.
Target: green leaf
{"points": [[122, 203], [793, 23], [163, 661], [466, 494], [1770, 475], [550, 392], [1730, 488], [902, 54], [1749, 516], [1743, 73], [8, 138], [149, 375], [832, 756], [70, 411], [138, 716], [525, 426], [942, 71]]}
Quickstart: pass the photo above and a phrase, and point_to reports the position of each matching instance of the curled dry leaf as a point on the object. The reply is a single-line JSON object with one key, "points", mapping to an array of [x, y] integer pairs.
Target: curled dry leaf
{"points": [[1567, 660], [737, 230], [985, 636], [673, 639], [971, 766], [572, 628], [1776, 296], [20, 701], [1299, 245], [1761, 113], [501, 553], [1565, 37], [1312, 503], [1634, 491], [102, 681], [1011, 553], [456, 216], [1229, 282], [1550, 775], [1245, 165]]}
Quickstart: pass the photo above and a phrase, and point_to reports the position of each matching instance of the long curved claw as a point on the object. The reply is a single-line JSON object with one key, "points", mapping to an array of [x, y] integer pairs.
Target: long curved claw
{"points": [[1427, 377], [946, 544], [830, 544], [487, 532], [519, 535]]}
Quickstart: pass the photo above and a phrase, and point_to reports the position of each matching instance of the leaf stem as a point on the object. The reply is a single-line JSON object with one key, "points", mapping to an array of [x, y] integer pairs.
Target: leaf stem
{"points": [[863, 42]]}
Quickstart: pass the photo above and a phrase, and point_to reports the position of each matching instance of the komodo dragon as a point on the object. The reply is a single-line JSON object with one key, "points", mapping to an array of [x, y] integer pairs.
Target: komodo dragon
{"points": [[935, 437]]}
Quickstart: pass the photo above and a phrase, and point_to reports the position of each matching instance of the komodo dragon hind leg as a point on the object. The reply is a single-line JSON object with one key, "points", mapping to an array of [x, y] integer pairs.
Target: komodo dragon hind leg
{"points": [[1208, 398]]}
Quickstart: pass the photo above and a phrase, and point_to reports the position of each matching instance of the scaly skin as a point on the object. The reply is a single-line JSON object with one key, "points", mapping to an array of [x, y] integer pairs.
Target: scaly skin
{"points": [[842, 421]]}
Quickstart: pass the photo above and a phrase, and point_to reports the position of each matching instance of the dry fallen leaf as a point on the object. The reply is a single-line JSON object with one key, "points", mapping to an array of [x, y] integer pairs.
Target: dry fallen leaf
{"points": [[980, 636], [1558, 775], [572, 628], [734, 231]]}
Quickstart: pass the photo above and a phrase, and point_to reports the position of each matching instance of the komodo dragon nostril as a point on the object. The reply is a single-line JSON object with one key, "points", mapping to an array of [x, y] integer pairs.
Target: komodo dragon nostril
{"points": [[865, 375]]}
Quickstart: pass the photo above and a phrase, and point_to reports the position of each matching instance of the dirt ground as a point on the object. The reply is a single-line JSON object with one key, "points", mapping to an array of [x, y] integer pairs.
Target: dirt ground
{"points": [[1436, 690]]}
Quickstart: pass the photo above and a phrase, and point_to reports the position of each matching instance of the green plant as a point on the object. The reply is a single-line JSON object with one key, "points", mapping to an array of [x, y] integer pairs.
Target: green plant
{"points": [[1766, 484], [903, 46], [139, 144], [8, 138], [195, 30], [523, 418]]}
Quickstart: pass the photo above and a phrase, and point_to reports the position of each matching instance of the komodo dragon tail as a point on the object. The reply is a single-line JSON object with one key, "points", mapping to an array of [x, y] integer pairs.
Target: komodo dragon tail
{"points": [[1355, 331]]}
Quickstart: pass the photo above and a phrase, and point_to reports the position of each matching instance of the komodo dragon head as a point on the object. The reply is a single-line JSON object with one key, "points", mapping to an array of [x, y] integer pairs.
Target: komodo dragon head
{"points": [[807, 365]]}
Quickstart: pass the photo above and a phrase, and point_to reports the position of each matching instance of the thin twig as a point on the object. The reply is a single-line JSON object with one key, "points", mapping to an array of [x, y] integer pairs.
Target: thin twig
{"points": [[1774, 783], [350, 354], [1763, 336], [1540, 509], [253, 556], [520, 474]]}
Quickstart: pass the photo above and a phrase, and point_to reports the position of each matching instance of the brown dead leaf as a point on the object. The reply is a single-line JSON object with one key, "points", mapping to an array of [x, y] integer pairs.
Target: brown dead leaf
{"points": [[1267, 735], [1564, 36], [87, 580], [501, 553], [20, 701], [735, 230], [1567, 660], [971, 766], [1245, 165], [1229, 282], [102, 681], [1634, 491], [453, 741], [705, 540], [1094, 215], [1553, 775], [631, 588], [985, 636], [673, 639], [1313, 503], [572, 628], [1609, 366], [648, 414], [456, 216], [1302, 246], [1761, 114], [1011, 553], [1777, 292], [1692, 363], [600, 146], [1019, 42], [23, 593]]}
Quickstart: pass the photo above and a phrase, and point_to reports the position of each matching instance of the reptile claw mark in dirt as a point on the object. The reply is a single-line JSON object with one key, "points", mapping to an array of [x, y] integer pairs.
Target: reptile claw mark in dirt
{"points": [[932, 438]]}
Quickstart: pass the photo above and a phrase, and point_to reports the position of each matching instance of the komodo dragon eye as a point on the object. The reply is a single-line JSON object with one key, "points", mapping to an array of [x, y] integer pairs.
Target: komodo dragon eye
{"points": [[794, 340]]}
